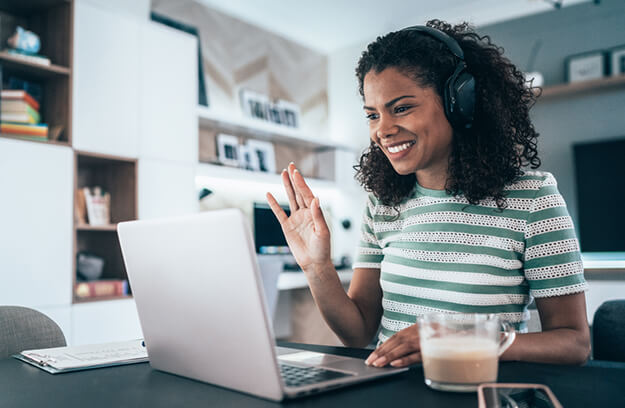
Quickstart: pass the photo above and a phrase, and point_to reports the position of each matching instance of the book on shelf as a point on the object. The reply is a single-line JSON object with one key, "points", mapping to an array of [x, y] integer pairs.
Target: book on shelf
{"points": [[19, 95], [101, 288], [13, 105], [26, 131], [20, 110], [20, 117], [98, 205], [32, 58]]}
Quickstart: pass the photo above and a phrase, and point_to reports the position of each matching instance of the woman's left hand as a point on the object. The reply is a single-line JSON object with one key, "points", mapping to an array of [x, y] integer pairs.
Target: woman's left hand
{"points": [[400, 350]]}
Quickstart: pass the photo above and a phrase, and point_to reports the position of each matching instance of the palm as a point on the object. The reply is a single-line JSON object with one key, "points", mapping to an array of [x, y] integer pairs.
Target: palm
{"points": [[305, 229], [308, 245]]}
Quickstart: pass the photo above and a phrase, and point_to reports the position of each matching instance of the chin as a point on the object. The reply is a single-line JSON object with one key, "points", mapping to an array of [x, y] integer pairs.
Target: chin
{"points": [[403, 171]]}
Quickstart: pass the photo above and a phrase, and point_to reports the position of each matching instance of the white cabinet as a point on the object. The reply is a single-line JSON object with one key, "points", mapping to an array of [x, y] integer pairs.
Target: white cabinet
{"points": [[36, 219], [166, 188], [106, 321], [169, 94], [106, 75], [135, 8]]}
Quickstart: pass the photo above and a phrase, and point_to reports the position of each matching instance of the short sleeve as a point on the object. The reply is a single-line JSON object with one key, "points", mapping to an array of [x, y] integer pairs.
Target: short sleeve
{"points": [[368, 253], [553, 264]]}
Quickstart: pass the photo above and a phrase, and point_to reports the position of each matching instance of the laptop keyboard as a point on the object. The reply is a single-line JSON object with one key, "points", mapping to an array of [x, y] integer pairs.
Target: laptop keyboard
{"points": [[294, 376]]}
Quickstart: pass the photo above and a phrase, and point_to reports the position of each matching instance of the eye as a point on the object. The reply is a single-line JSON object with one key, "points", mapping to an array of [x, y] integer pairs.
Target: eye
{"points": [[402, 108], [372, 116]]}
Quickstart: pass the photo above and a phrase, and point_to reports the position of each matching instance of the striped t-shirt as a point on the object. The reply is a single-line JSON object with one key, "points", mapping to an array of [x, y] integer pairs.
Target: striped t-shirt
{"points": [[445, 255]]}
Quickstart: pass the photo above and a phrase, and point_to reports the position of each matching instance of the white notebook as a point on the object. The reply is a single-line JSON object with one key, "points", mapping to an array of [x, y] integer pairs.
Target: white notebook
{"points": [[65, 359]]}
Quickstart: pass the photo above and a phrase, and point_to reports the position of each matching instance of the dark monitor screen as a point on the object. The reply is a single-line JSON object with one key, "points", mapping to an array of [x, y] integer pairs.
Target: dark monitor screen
{"points": [[268, 236], [600, 177]]}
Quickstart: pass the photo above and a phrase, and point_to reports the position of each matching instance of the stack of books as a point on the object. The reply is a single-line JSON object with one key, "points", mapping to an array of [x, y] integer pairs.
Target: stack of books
{"points": [[102, 288], [20, 117]]}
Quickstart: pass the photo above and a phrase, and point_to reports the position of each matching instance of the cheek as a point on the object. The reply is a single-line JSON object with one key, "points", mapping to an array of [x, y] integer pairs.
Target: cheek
{"points": [[372, 136]]}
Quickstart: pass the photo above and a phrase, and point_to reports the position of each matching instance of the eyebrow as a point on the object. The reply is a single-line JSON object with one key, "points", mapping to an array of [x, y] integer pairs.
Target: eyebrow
{"points": [[391, 102]]}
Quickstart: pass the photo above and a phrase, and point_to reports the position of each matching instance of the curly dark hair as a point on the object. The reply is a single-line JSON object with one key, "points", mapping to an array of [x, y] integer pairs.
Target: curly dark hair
{"points": [[484, 158]]}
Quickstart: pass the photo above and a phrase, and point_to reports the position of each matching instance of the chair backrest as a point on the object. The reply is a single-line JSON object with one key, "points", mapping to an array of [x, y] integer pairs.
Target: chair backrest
{"points": [[22, 328], [608, 331]]}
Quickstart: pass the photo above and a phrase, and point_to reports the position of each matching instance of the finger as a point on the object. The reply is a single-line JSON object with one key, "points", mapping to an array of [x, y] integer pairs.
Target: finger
{"points": [[400, 351], [288, 186], [409, 335], [384, 348], [407, 360], [320, 223], [277, 210], [302, 188], [300, 201]]}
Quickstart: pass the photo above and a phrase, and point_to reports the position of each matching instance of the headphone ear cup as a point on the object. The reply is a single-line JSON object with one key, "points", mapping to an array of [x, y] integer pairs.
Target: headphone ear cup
{"points": [[464, 88], [459, 98]]}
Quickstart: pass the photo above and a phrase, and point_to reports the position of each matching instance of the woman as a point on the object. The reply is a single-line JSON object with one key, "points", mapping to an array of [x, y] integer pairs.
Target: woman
{"points": [[452, 223]]}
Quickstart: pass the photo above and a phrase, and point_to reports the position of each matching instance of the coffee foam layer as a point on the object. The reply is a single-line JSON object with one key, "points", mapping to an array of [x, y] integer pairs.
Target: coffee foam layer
{"points": [[459, 347]]}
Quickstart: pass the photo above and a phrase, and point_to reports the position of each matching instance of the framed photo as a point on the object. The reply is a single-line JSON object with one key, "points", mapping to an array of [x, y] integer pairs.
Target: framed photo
{"points": [[262, 154], [247, 160], [586, 66], [275, 114], [228, 149], [290, 112], [617, 61], [254, 104]]}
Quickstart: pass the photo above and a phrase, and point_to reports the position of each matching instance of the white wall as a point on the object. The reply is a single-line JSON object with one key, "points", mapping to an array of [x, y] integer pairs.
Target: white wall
{"points": [[346, 118], [348, 126]]}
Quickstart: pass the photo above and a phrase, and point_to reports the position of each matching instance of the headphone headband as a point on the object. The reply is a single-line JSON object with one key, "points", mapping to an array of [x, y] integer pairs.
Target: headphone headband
{"points": [[440, 36]]}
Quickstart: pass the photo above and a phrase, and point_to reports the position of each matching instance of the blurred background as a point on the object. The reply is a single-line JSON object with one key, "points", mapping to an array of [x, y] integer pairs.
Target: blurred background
{"points": [[117, 110]]}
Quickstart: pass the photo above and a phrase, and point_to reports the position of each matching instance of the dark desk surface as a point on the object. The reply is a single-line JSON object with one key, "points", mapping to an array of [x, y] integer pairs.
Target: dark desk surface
{"points": [[138, 385]]}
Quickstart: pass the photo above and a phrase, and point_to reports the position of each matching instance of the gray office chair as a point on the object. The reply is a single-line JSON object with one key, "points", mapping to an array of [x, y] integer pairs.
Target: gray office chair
{"points": [[22, 328], [608, 331]]}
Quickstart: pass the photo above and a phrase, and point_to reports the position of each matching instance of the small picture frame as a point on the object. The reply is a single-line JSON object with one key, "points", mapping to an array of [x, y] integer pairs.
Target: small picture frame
{"points": [[617, 61], [586, 66], [290, 113], [228, 150], [247, 160], [275, 114], [254, 105], [262, 156]]}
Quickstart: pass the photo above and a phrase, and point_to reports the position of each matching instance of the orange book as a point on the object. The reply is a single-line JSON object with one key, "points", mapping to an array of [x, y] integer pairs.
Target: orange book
{"points": [[20, 95], [101, 288]]}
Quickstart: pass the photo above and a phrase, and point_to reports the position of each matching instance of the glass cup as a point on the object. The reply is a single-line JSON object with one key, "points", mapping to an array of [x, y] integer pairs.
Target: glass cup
{"points": [[461, 351]]}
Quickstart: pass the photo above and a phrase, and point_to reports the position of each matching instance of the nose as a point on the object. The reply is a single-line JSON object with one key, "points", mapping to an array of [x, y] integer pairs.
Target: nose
{"points": [[386, 127]]}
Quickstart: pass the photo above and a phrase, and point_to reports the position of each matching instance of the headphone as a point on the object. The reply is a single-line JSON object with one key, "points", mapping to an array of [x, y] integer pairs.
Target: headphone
{"points": [[459, 89]]}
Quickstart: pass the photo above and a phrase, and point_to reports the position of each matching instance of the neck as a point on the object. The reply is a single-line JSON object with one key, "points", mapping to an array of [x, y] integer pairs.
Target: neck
{"points": [[432, 180]]}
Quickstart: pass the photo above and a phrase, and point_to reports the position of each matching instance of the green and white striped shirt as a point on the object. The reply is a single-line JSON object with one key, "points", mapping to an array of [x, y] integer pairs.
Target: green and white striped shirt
{"points": [[445, 255]]}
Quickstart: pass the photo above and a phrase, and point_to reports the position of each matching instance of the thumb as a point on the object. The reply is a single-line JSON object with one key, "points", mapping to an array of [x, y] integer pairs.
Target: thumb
{"points": [[320, 223]]}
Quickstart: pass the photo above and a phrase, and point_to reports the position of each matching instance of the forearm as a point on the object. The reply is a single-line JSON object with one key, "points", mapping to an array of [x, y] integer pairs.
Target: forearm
{"points": [[339, 311], [556, 346]]}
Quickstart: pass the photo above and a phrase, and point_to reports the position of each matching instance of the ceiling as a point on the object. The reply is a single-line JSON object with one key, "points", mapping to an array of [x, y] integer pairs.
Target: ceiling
{"points": [[329, 25]]}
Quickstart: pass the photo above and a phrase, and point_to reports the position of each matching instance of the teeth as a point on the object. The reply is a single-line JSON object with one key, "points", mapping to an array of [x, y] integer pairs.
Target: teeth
{"points": [[401, 147]]}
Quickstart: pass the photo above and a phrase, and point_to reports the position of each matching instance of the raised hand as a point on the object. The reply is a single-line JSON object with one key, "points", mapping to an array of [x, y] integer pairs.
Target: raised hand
{"points": [[305, 229]]}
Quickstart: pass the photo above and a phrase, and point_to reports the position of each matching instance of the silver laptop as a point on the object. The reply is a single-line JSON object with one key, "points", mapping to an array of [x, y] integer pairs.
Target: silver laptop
{"points": [[201, 305]]}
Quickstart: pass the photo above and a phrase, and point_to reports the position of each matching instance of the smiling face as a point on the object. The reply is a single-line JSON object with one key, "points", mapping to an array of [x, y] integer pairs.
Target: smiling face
{"points": [[408, 123]]}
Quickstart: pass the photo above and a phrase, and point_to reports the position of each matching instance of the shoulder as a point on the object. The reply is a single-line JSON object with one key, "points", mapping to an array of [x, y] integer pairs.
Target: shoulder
{"points": [[532, 180]]}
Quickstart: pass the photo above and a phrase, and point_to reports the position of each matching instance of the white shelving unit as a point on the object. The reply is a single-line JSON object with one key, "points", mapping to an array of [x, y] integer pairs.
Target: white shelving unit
{"points": [[210, 172], [263, 129], [297, 280]]}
